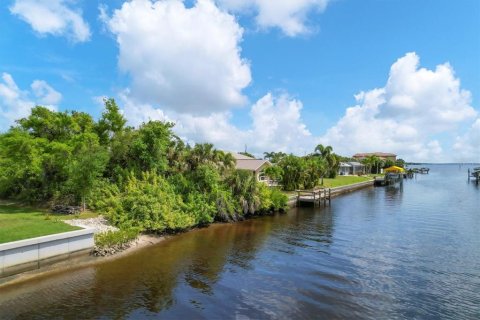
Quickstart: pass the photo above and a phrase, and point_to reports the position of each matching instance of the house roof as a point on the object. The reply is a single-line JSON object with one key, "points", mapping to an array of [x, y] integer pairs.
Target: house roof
{"points": [[356, 164], [344, 164], [378, 154], [239, 156], [251, 164]]}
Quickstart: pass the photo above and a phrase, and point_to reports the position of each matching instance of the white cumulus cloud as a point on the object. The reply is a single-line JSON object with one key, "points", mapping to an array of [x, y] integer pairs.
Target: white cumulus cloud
{"points": [[467, 146], [44, 93], [16, 103], [406, 115], [290, 16], [186, 59], [56, 17]]}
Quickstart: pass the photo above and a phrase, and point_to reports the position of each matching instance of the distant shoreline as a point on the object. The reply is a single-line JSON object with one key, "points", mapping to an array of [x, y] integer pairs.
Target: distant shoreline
{"points": [[442, 163]]}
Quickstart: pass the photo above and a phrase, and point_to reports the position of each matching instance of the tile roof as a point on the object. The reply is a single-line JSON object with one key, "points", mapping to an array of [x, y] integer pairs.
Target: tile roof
{"points": [[378, 154]]}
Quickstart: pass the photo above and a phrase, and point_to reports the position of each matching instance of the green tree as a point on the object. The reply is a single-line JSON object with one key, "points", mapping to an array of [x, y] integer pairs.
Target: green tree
{"points": [[150, 146], [400, 163], [332, 160], [324, 151], [89, 160], [293, 168], [243, 185], [274, 172], [388, 163], [315, 169], [374, 163], [274, 157], [47, 124], [20, 165], [111, 123]]}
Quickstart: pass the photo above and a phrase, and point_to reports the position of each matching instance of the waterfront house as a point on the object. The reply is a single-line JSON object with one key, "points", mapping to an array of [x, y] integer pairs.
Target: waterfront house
{"points": [[357, 168], [344, 169], [382, 155], [351, 168], [256, 166]]}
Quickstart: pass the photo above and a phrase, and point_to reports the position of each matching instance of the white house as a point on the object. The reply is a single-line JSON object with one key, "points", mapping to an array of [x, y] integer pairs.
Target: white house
{"points": [[344, 169], [351, 168]]}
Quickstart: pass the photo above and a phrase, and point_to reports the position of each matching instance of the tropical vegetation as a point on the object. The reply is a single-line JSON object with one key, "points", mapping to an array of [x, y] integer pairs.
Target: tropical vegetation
{"points": [[373, 164], [144, 179], [309, 171]]}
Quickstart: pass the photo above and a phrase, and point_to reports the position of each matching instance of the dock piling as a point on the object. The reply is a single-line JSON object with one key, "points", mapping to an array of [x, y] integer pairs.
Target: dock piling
{"points": [[315, 196]]}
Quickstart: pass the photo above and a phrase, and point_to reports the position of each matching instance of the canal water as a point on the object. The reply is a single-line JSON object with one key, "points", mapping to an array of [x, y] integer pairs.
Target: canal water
{"points": [[403, 252]]}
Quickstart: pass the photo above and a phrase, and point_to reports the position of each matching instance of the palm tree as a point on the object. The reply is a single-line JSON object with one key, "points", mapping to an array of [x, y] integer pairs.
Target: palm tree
{"points": [[315, 168], [373, 162], [244, 187], [324, 151], [333, 165], [368, 165], [227, 162], [333, 160], [274, 157]]}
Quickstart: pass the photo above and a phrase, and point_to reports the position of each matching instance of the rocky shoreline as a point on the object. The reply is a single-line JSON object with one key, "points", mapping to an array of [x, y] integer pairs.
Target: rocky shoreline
{"points": [[100, 224]]}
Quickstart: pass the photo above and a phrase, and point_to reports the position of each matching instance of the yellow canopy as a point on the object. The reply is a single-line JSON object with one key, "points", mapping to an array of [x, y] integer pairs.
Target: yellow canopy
{"points": [[394, 169]]}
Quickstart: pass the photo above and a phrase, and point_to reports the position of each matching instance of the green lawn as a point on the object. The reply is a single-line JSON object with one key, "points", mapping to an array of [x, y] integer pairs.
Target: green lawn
{"points": [[19, 222], [340, 181]]}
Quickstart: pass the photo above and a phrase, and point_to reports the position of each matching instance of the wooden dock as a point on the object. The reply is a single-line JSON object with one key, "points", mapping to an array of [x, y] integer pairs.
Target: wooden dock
{"points": [[474, 175], [315, 196], [421, 170], [389, 179]]}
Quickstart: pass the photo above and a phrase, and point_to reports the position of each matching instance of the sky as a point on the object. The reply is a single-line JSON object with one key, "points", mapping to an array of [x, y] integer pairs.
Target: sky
{"points": [[400, 76]]}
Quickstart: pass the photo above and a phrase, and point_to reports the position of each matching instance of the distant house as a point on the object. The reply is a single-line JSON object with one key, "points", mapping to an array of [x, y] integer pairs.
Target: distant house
{"points": [[344, 169], [351, 168], [381, 155], [357, 168], [256, 166]]}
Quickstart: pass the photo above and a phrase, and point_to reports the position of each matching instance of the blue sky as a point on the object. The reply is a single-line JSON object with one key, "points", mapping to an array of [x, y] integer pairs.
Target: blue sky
{"points": [[272, 75]]}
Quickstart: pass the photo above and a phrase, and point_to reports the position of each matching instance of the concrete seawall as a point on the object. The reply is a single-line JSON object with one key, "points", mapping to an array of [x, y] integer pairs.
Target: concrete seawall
{"points": [[335, 192], [352, 187], [35, 253]]}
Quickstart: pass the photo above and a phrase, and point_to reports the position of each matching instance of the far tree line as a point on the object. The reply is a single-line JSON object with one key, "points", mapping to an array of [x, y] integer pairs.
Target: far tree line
{"points": [[295, 172]]}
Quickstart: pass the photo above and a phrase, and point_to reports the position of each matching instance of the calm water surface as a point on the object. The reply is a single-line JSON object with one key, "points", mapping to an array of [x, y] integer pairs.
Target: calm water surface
{"points": [[411, 251]]}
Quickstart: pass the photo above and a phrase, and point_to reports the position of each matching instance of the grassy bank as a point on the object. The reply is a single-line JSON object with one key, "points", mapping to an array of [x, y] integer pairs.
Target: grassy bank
{"points": [[20, 222], [341, 181]]}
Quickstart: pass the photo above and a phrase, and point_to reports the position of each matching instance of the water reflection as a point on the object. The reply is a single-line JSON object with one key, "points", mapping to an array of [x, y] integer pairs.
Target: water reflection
{"points": [[146, 279]]}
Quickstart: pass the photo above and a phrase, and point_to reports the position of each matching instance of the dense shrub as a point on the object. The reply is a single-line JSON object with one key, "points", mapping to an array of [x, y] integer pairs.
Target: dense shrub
{"points": [[272, 199], [227, 208], [279, 200], [150, 203], [115, 238], [200, 208]]}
